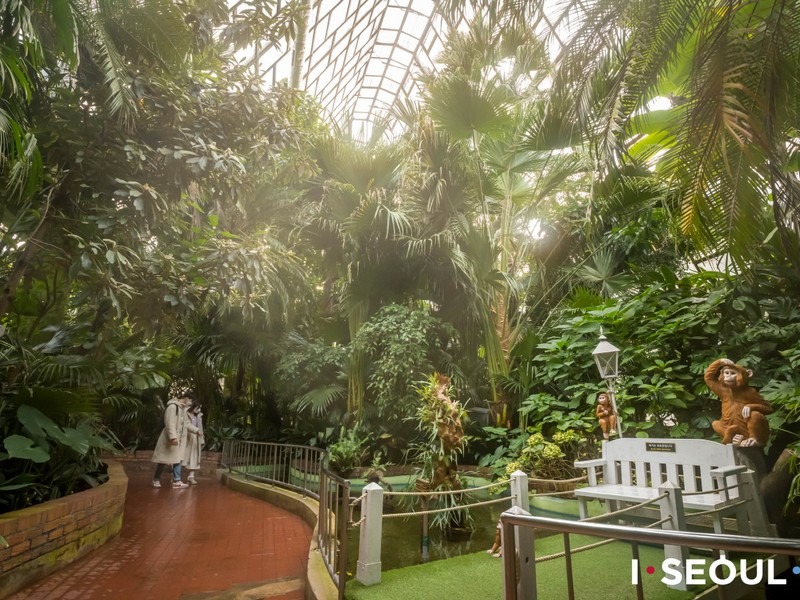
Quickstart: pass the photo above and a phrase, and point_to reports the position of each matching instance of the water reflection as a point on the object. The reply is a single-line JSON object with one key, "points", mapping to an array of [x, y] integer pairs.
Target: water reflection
{"points": [[402, 539]]}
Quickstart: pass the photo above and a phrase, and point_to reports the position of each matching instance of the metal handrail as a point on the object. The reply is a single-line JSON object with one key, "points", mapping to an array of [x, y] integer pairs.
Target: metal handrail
{"points": [[715, 542], [334, 517], [277, 461], [302, 469]]}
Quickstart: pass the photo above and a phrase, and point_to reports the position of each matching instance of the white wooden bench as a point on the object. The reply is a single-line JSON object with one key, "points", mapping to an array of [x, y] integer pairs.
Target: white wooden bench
{"points": [[706, 472]]}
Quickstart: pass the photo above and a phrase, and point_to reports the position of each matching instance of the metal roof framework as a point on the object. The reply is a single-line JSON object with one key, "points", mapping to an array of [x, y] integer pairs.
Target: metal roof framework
{"points": [[361, 56], [359, 69]]}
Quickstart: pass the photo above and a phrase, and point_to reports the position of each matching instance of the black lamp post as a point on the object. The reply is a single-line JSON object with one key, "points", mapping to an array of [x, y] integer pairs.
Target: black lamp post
{"points": [[606, 357]]}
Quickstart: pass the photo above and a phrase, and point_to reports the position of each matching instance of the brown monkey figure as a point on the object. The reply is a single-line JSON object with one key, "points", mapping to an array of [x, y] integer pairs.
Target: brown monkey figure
{"points": [[742, 422], [605, 415]]}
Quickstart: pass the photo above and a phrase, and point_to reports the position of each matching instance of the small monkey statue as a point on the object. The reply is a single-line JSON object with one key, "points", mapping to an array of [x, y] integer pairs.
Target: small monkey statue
{"points": [[605, 415]]}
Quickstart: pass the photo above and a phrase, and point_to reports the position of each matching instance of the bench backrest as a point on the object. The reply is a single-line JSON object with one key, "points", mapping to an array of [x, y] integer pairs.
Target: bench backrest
{"points": [[648, 462]]}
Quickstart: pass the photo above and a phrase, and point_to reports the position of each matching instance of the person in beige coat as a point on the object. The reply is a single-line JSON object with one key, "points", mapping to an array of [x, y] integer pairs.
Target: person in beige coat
{"points": [[171, 444], [194, 445]]}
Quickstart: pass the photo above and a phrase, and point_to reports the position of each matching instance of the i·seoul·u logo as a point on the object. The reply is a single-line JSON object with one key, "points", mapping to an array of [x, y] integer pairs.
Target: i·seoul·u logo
{"points": [[720, 572]]}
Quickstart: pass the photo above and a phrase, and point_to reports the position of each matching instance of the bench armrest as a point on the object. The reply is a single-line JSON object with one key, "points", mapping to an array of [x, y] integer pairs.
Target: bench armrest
{"points": [[591, 466], [721, 474], [725, 471], [585, 464]]}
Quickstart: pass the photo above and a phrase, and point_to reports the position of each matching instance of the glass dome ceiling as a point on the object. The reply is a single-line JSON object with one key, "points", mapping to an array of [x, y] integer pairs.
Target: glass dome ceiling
{"points": [[360, 56]]}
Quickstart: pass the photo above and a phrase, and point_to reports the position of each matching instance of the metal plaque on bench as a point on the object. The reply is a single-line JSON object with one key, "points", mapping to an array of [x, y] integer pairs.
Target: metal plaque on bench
{"points": [[659, 447]]}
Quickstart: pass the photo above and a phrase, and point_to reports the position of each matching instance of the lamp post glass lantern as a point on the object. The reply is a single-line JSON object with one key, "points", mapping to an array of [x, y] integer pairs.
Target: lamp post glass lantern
{"points": [[606, 357]]}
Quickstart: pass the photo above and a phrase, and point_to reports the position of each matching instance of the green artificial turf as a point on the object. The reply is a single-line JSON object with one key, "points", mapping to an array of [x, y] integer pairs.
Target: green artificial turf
{"points": [[602, 573]]}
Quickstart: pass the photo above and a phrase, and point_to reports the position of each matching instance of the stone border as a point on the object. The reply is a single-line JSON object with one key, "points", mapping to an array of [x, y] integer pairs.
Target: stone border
{"points": [[44, 538], [319, 585]]}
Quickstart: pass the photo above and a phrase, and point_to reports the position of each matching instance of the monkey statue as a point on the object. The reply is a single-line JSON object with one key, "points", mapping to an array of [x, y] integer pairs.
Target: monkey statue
{"points": [[743, 422], [605, 415]]}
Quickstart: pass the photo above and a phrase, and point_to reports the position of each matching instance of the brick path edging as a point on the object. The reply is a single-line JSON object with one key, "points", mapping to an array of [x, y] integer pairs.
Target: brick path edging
{"points": [[43, 538]]}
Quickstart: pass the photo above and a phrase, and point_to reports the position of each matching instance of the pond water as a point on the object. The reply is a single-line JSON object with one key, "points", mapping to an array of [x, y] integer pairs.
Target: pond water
{"points": [[402, 537]]}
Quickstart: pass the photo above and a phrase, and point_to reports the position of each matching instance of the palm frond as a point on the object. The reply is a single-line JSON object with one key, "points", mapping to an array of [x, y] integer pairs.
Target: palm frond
{"points": [[320, 400]]}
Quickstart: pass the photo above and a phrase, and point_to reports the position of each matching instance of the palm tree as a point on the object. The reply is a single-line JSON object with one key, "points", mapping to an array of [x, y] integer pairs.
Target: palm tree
{"points": [[727, 144], [489, 101], [350, 219]]}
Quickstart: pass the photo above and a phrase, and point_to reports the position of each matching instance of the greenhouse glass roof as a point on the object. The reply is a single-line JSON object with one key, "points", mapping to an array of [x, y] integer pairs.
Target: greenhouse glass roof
{"points": [[361, 56]]}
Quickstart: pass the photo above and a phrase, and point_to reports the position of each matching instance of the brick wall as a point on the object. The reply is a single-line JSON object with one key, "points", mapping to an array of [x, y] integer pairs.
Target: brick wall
{"points": [[43, 538]]}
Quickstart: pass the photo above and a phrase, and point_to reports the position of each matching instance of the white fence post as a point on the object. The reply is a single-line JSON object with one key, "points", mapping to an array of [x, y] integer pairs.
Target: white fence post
{"points": [[671, 508], [368, 568], [519, 491]]}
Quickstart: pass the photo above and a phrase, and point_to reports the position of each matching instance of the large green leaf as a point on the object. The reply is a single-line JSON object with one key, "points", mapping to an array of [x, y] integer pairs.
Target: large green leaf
{"points": [[19, 446], [77, 439], [465, 108], [39, 425]]}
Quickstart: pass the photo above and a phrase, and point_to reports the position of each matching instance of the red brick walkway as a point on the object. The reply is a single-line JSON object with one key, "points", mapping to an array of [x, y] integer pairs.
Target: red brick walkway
{"points": [[186, 543]]}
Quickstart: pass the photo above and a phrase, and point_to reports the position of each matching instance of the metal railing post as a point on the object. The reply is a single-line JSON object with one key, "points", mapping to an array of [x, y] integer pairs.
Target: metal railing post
{"points": [[666, 537], [510, 563], [522, 552], [368, 569], [344, 513]]}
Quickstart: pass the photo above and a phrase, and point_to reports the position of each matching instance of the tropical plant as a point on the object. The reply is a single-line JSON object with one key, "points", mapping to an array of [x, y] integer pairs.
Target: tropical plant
{"points": [[347, 452], [670, 332], [135, 172], [313, 382], [400, 346], [726, 139], [551, 459], [43, 460], [440, 421]]}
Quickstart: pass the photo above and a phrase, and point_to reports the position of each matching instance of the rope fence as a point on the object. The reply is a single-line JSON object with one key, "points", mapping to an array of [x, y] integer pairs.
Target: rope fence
{"points": [[606, 541], [448, 509], [657, 523], [702, 513], [627, 509], [718, 490], [563, 553], [561, 493], [535, 481], [446, 492]]}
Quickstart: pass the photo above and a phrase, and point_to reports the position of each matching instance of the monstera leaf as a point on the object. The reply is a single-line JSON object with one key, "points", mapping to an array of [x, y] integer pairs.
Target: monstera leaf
{"points": [[19, 446]]}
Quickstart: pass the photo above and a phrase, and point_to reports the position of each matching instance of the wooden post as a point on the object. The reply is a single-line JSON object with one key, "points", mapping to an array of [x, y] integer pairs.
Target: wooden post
{"points": [[756, 511]]}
